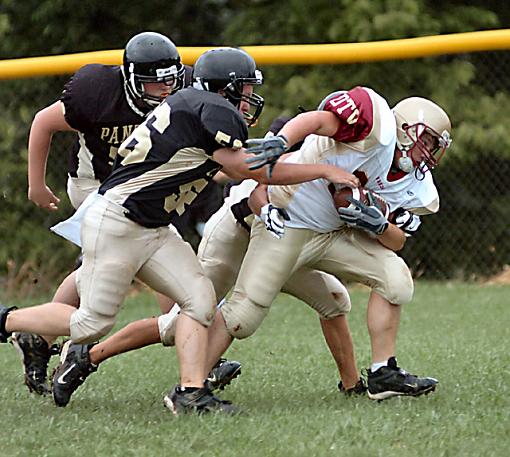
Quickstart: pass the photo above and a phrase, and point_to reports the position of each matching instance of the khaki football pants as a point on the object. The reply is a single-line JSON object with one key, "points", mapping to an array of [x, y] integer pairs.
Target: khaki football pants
{"points": [[221, 254], [347, 254], [115, 249]]}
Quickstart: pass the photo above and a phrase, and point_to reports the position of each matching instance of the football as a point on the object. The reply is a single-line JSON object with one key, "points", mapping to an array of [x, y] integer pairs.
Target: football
{"points": [[358, 193]]}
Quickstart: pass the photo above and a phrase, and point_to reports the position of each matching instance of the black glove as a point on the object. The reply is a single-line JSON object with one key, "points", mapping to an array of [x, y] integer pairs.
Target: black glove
{"points": [[366, 217], [267, 151], [407, 221]]}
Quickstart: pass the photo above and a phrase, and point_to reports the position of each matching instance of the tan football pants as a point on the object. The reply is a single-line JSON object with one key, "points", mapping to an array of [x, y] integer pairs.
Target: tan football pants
{"points": [[115, 249], [221, 254], [348, 254]]}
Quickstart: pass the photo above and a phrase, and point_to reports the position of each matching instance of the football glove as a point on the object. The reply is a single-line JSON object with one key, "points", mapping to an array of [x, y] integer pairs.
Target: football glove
{"points": [[267, 151], [407, 221], [366, 217], [274, 219]]}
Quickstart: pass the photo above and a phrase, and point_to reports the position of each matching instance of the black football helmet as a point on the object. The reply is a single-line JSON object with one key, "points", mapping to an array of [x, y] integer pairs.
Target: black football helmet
{"points": [[150, 57], [229, 69]]}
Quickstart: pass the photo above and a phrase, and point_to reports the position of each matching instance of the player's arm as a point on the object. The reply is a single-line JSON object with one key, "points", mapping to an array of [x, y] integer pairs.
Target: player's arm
{"points": [[258, 198], [267, 150], [393, 238], [233, 162], [47, 121], [323, 123], [221, 178]]}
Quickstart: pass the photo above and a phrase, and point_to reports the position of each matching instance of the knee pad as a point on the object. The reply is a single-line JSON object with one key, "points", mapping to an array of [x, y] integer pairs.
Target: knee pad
{"points": [[337, 301], [167, 324], [398, 287], [203, 313], [343, 301], [200, 301], [242, 316], [88, 326]]}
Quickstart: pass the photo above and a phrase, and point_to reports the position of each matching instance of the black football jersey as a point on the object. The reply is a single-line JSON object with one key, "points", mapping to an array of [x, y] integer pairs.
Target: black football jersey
{"points": [[96, 104], [166, 162]]}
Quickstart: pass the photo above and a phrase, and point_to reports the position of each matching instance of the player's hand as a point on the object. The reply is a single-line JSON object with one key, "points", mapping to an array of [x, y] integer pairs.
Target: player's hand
{"points": [[340, 177], [266, 151], [407, 221], [274, 219], [43, 197], [366, 217]]}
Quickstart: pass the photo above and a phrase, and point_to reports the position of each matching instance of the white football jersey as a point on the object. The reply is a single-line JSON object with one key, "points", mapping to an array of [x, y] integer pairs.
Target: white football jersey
{"points": [[368, 132]]}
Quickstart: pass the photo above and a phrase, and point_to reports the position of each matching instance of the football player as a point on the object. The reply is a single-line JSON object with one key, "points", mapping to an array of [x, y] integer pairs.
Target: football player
{"points": [[220, 253], [392, 151], [102, 104], [162, 166]]}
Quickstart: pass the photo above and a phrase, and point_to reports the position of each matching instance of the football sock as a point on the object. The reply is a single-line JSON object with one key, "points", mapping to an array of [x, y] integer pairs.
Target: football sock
{"points": [[187, 390], [376, 365]]}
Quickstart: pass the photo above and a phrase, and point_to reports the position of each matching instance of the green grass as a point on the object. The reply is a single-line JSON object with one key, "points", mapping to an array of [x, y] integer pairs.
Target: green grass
{"points": [[458, 333]]}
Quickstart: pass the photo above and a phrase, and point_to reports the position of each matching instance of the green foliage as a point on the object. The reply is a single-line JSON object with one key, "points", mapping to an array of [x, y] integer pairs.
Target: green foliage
{"points": [[455, 332], [473, 88], [34, 28]]}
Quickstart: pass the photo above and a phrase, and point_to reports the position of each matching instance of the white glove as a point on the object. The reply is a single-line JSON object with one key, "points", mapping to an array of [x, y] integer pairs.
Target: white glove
{"points": [[274, 219], [407, 221]]}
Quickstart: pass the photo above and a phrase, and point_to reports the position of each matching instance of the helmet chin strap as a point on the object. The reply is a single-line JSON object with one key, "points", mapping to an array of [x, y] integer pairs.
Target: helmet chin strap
{"points": [[405, 163]]}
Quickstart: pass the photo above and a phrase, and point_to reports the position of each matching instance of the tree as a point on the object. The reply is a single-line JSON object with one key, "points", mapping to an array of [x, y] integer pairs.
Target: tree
{"points": [[473, 88]]}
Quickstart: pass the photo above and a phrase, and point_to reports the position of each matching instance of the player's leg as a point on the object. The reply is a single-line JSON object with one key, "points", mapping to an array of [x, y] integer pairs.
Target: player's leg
{"points": [[329, 297], [114, 248], [383, 320], [162, 329], [354, 255], [185, 281], [35, 350], [220, 254], [266, 266]]}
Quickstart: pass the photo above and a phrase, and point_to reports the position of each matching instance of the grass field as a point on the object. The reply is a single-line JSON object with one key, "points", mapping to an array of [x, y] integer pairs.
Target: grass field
{"points": [[458, 333]]}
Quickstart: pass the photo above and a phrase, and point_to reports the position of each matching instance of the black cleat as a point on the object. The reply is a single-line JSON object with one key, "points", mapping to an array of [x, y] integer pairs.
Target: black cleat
{"points": [[222, 374], [199, 401], [392, 381], [4, 311], [359, 388], [35, 353], [73, 369]]}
